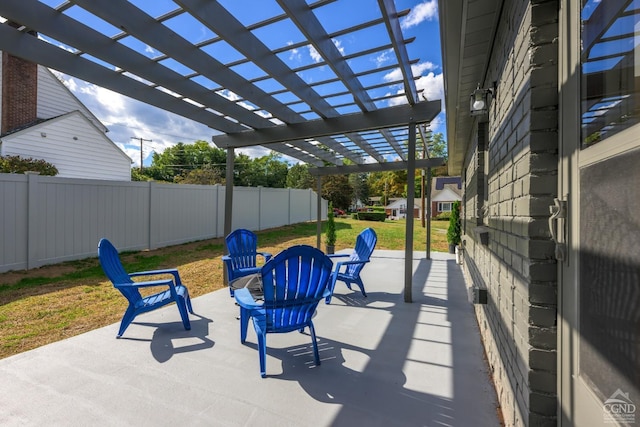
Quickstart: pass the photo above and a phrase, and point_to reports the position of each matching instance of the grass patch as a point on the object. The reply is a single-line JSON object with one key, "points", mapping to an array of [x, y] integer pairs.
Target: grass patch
{"points": [[51, 303]]}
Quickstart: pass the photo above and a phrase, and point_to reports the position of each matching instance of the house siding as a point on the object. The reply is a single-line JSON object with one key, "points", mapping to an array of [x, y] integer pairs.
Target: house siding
{"points": [[71, 156], [54, 99], [517, 267]]}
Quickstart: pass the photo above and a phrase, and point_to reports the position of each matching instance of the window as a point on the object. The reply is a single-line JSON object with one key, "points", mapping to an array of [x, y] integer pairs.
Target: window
{"points": [[444, 206], [610, 62]]}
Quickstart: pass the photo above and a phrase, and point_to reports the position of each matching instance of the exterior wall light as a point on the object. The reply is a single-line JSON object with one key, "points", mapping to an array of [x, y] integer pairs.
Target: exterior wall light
{"points": [[479, 101]]}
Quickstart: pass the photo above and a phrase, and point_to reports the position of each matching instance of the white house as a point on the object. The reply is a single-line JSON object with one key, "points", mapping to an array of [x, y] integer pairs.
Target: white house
{"points": [[445, 191], [397, 209], [42, 119]]}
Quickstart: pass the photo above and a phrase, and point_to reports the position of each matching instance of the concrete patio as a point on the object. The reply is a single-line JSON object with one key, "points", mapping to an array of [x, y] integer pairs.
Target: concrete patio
{"points": [[384, 363]]}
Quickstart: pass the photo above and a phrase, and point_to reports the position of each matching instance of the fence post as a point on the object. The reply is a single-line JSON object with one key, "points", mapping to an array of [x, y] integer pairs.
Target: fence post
{"points": [[289, 218], [152, 242], [32, 220], [260, 210]]}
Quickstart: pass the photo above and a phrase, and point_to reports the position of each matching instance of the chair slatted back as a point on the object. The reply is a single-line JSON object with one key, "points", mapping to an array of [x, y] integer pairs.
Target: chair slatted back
{"points": [[294, 282], [113, 269], [365, 244], [242, 246]]}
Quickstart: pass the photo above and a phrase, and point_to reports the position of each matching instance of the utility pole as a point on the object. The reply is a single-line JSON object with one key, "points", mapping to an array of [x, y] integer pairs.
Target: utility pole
{"points": [[141, 156]]}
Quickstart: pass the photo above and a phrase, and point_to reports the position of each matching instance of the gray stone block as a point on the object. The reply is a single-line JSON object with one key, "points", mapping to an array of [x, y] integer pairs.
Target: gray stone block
{"points": [[542, 381]]}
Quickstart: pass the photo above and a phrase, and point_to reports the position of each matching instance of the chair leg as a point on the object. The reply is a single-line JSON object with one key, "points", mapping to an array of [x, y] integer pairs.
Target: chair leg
{"points": [[189, 306], [128, 317], [332, 286], [182, 308], [244, 323], [358, 282], [262, 345], [316, 355]]}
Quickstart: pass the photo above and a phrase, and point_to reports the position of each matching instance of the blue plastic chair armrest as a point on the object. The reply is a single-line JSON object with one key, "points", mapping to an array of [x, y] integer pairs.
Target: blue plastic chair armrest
{"points": [[172, 271], [267, 256], [338, 255], [226, 258], [352, 262], [245, 299], [150, 283]]}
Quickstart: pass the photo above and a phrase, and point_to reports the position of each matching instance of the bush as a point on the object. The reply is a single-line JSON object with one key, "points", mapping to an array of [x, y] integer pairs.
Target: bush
{"points": [[443, 216], [372, 216], [16, 164], [330, 237], [454, 232]]}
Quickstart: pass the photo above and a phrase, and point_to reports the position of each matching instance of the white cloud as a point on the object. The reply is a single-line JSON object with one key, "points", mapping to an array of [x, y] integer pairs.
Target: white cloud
{"points": [[384, 57], [317, 57], [425, 11], [432, 86], [127, 118], [314, 54], [416, 70]]}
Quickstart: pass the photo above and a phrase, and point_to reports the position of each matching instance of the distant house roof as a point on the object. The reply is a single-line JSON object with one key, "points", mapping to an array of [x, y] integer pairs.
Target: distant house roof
{"points": [[441, 181], [446, 188]]}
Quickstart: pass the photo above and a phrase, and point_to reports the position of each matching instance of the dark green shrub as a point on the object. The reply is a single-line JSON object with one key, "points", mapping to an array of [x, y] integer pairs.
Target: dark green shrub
{"points": [[17, 164], [372, 216], [330, 234], [454, 231]]}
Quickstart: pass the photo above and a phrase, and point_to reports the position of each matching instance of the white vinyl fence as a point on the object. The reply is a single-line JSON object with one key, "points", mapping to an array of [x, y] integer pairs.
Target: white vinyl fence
{"points": [[46, 220]]}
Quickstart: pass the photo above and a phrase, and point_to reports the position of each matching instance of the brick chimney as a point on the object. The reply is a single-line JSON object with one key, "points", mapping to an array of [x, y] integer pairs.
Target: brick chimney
{"points": [[19, 91]]}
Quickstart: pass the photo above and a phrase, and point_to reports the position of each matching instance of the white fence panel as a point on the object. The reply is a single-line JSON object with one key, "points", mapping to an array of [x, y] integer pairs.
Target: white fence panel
{"points": [[14, 222], [182, 213], [272, 202], [246, 208], [46, 220]]}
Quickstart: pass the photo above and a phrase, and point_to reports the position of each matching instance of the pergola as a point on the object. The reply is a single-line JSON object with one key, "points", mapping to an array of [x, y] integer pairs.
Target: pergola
{"points": [[240, 83]]}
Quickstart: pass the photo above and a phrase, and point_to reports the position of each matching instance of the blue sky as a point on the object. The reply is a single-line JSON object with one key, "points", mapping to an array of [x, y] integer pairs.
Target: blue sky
{"points": [[127, 118]]}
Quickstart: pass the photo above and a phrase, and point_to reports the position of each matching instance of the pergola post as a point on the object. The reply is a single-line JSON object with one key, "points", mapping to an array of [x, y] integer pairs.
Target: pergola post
{"points": [[411, 189], [319, 212], [228, 202]]}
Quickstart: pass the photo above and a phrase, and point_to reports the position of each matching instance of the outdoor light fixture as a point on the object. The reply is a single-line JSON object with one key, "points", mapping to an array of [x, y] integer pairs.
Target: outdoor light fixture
{"points": [[479, 102]]}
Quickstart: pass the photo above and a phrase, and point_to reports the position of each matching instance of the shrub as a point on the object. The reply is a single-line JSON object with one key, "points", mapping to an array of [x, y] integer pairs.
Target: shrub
{"points": [[372, 216], [454, 231], [443, 216], [17, 164], [330, 237]]}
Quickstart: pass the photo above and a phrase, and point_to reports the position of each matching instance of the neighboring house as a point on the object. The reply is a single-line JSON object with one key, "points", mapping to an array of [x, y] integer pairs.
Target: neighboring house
{"points": [[42, 119], [543, 124], [397, 209], [445, 191]]}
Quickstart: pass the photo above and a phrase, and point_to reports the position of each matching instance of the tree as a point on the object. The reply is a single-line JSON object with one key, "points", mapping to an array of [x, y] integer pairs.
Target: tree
{"points": [[388, 184], [337, 190], [359, 183], [182, 158], [265, 171], [438, 146], [204, 176], [299, 177]]}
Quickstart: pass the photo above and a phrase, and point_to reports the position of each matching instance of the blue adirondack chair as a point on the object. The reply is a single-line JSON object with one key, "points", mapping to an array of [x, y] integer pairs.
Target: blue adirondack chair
{"points": [[112, 267], [242, 258], [365, 244], [294, 282]]}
